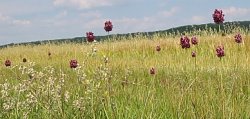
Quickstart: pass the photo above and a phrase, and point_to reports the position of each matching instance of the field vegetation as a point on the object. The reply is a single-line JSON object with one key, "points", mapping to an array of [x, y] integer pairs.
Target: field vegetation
{"points": [[113, 79]]}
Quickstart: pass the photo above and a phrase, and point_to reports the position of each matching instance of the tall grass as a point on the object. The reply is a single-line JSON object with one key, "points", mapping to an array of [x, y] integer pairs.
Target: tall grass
{"points": [[183, 87]]}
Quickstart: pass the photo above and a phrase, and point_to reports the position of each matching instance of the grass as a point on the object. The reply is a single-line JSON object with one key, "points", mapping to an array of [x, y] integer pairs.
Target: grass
{"points": [[183, 87]]}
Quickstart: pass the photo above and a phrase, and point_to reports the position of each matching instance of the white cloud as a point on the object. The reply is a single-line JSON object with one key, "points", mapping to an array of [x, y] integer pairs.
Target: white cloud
{"points": [[170, 12], [91, 14], [198, 19], [9, 20], [233, 11], [62, 14], [85, 4], [3, 17], [21, 22]]}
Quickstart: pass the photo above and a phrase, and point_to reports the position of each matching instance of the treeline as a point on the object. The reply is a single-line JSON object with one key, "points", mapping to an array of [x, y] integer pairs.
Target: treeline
{"points": [[226, 27]]}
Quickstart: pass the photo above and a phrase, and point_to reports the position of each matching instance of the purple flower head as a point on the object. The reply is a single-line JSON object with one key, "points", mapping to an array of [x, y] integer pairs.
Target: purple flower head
{"points": [[220, 51], [193, 54], [218, 16], [152, 71], [90, 36], [185, 42], [194, 40], [238, 38], [49, 54], [7, 63], [73, 64], [108, 26], [158, 48], [24, 60]]}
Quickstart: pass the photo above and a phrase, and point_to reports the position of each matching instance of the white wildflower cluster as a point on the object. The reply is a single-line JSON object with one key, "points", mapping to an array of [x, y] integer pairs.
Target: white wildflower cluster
{"points": [[103, 73], [31, 100], [8, 103], [45, 89], [78, 104]]}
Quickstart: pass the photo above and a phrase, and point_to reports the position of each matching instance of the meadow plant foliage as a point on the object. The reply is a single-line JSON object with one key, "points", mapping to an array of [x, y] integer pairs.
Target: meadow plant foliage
{"points": [[127, 79]]}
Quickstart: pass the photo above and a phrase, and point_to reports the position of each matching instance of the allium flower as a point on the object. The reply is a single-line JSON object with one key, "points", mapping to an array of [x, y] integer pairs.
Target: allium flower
{"points": [[152, 71], [49, 54], [185, 42], [238, 38], [158, 48], [218, 16], [24, 60], [108, 26], [73, 63], [90, 36], [220, 51], [194, 40], [193, 54], [7, 63]]}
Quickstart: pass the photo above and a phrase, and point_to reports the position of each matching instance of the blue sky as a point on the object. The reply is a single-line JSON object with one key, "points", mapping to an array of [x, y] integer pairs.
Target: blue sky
{"points": [[34, 20]]}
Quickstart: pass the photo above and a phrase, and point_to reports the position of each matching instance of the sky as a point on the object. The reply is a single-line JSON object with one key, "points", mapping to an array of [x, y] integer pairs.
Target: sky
{"points": [[35, 20]]}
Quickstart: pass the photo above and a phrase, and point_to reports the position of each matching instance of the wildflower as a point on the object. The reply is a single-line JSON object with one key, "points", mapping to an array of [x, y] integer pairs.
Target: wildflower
{"points": [[24, 60], [158, 48], [152, 71], [194, 40], [218, 16], [73, 63], [7, 63], [238, 38], [185, 42], [108, 26], [49, 54], [193, 54], [90, 36], [220, 51]]}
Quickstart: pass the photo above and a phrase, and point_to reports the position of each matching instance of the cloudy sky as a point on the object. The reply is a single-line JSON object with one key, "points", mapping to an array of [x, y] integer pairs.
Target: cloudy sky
{"points": [[33, 20]]}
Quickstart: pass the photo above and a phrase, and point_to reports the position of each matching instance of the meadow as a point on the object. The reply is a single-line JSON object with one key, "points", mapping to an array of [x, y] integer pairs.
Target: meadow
{"points": [[113, 79]]}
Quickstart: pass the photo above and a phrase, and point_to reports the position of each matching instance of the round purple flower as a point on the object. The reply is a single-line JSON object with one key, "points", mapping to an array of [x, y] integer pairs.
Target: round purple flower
{"points": [[185, 42], [220, 51], [7, 63], [24, 60], [49, 54], [193, 54], [90, 36], [73, 63], [108, 26], [158, 48], [238, 38], [218, 16], [152, 71], [194, 40]]}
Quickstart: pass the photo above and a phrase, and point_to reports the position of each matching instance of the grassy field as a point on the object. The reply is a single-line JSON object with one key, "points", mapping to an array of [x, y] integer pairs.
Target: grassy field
{"points": [[113, 81]]}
